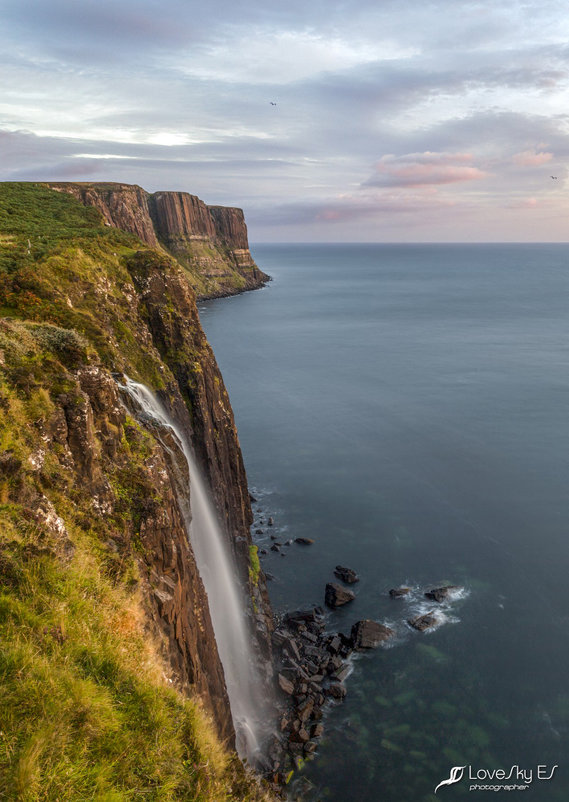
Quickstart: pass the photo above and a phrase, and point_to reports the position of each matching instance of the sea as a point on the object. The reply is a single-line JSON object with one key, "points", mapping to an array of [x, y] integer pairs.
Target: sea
{"points": [[406, 407]]}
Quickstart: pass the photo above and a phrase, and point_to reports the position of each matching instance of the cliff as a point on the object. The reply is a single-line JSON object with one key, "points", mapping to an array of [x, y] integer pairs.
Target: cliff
{"points": [[209, 241], [102, 596]]}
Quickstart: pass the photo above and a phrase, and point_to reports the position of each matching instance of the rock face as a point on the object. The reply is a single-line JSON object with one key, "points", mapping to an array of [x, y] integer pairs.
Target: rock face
{"points": [[180, 216], [369, 634], [210, 241], [133, 314], [337, 596], [123, 206]]}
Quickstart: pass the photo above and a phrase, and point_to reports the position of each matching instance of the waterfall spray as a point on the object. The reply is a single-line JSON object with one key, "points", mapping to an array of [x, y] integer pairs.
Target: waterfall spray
{"points": [[215, 565]]}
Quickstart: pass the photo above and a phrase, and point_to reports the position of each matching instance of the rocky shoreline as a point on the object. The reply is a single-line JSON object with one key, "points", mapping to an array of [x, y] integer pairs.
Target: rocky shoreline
{"points": [[312, 664]]}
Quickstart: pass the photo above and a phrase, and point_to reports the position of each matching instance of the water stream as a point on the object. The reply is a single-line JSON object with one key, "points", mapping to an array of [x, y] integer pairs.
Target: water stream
{"points": [[219, 576]]}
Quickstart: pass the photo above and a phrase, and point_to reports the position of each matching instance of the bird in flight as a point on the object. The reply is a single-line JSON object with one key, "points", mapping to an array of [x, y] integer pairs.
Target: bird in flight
{"points": [[272, 104], [554, 177]]}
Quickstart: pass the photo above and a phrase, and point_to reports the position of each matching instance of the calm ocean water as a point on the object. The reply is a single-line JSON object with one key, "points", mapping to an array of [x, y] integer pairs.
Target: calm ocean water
{"points": [[406, 407]]}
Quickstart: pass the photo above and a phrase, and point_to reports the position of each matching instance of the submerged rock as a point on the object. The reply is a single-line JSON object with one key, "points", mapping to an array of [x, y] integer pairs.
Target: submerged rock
{"points": [[441, 594], [397, 593], [337, 596], [423, 622], [369, 634], [304, 541], [347, 575]]}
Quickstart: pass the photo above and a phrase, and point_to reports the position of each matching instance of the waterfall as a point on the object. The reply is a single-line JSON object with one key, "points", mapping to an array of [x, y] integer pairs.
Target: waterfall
{"points": [[215, 565]]}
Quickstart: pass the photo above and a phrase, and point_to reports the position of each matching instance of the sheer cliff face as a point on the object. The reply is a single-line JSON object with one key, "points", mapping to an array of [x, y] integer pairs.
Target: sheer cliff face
{"points": [[209, 241], [95, 303]]}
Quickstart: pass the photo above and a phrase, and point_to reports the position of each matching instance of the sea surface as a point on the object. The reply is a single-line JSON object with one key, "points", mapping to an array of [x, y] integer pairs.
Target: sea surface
{"points": [[406, 406]]}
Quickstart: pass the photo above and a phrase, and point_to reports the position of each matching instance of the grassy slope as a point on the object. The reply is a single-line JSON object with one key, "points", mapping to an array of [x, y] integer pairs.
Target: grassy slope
{"points": [[86, 711]]}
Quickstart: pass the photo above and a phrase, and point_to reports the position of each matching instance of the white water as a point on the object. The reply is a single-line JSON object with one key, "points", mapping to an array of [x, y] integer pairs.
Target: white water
{"points": [[219, 576]]}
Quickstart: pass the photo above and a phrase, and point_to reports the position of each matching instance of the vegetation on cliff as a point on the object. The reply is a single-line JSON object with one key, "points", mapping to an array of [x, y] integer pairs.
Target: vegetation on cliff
{"points": [[110, 683]]}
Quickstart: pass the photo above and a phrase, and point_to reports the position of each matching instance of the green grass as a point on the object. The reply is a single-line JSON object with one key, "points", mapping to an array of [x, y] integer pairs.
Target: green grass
{"points": [[85, 711]]}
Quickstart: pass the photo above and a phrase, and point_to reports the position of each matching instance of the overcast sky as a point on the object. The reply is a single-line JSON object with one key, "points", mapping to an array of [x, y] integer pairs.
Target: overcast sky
{"points": [[395, 120]]}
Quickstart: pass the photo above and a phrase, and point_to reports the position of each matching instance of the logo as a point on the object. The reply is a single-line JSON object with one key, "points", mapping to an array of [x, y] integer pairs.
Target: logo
{"points": [[456, 774], [517, 778]]}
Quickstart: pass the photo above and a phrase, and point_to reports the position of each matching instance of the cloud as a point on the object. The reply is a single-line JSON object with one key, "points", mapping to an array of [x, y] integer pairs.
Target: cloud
{"points": [[529, 158], [420, 169]]}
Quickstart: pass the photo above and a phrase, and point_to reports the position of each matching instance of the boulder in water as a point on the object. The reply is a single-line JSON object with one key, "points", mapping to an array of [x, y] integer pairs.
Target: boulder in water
{"points": [[398, 593], [337, 596], [337, 690], [423, 622], [369, 634], [441, 594], [347, 575], [304, 541]]}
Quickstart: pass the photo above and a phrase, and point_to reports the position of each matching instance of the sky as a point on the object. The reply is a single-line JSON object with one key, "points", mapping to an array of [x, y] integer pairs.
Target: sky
{"points": [[375, 121]]}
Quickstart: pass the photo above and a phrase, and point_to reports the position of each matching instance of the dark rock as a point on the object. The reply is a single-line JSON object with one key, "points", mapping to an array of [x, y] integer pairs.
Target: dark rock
{"points": [[309, 747], [347, 575], [271, 522], [337, 596], [369, 634], [440, 594], [274, 547], [286, 685], [310, 636], [9, 464], [305, 709], [423, 622], [313, 615], [397, 593], [269, 577], [317, 730], [304, 541], [334, 644], [337, 690], [301, 736], [342, 674], [291, 644], [252, 499], [259, 531], [263, 551]]}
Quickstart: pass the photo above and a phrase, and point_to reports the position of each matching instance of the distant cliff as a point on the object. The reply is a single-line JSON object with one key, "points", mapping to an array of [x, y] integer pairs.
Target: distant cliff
{"points": [[209, 241], [105, 618]]}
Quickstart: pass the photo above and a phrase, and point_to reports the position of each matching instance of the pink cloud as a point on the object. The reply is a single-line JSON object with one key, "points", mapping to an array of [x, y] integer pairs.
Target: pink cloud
{"points": [[529, 158], [420, 169]]}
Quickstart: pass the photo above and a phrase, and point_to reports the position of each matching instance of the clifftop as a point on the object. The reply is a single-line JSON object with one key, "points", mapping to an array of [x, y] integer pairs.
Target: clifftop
{"points": [[210, 241]]}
